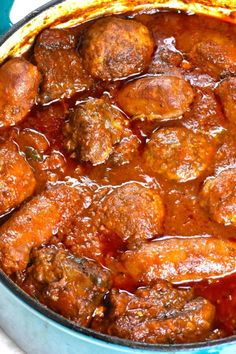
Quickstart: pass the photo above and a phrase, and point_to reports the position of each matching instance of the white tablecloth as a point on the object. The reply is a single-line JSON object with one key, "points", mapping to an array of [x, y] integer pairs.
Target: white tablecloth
{"points": [[7, 346]]}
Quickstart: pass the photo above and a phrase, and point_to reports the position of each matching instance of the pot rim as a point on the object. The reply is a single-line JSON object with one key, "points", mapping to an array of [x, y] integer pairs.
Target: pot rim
{"points": [[55, 317]]}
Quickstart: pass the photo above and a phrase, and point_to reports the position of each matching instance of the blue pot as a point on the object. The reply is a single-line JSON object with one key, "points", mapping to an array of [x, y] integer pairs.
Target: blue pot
{"points": [[36, 329]]}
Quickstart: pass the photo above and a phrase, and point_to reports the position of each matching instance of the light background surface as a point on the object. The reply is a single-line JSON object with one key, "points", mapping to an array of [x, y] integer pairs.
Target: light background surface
{"points": [[17, 12], [7, 346]]}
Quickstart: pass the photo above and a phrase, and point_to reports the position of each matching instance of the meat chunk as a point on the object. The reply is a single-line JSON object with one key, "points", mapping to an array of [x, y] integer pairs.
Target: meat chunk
{"points": [[126, 149], [133, 212], [157, 97], [47, 214], [167, 59], [227, 93], [178, 154], [17, 181], [73, 287], [115, 48], [95, 127], [160, 314], [206, 115], [179, 260], [215, 56], [19, 82], [83, 240], [218, 196], [60, 65]]}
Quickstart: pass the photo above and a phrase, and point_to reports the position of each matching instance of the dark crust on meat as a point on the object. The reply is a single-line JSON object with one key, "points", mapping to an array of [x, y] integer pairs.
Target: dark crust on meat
{"points": [[160, 314], [74, 287], [93, 130], [130, 53]]}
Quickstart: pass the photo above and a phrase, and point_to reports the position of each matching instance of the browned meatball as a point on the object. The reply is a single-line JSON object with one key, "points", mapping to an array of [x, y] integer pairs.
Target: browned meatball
{"points": [[219, 197], [227, 93], [115, 48], [19, 82], [133, 212], [94, 128], [17, 181], [60, 65], [178, 154], [73, 287], [160, 314], [47, 214], [181, 259], [158, 97], [215, 56]]}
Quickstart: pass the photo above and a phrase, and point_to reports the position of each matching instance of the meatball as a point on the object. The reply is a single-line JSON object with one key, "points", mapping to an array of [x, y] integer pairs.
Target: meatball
{"points": [[179, 260], [19, 82], [114, 48], [60, 65], [215, 56], [178, 154], [160, 314], [94, 128], [73, 287], [157, 97], [133, 212], [17, 181], [219, 198], [47, 214], [227, 93]]}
